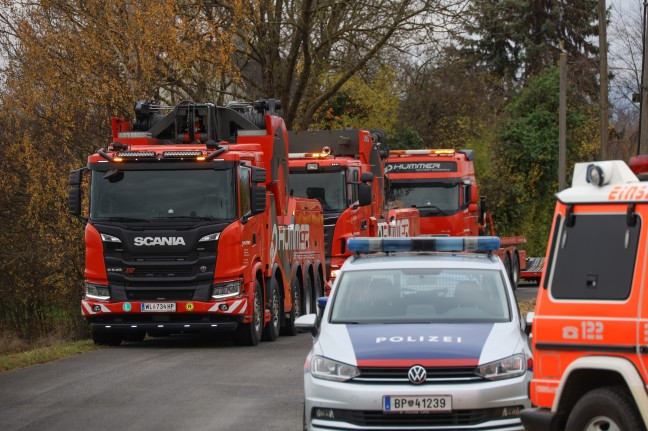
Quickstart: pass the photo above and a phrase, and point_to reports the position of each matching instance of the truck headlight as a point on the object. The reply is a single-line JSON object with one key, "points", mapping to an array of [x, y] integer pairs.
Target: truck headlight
{"points": [[210, 237], [98, 292], [506, 368], [328, 369], [227, 289]]}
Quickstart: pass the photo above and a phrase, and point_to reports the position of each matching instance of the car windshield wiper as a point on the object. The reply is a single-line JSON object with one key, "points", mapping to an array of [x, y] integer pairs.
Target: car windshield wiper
{"points": [[119, 218]]}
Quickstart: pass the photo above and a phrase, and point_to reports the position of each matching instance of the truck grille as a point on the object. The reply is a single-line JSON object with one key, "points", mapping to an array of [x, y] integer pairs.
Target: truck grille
{"points": [[161, 271], [160, 295]]}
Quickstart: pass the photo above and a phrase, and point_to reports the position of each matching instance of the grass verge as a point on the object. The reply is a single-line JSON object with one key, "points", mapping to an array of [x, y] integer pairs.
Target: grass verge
{"points": [[39, 355]]}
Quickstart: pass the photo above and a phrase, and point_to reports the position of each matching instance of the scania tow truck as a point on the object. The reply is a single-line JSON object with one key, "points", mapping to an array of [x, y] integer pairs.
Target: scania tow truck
{"points": [[344, 171], [190, 226]]}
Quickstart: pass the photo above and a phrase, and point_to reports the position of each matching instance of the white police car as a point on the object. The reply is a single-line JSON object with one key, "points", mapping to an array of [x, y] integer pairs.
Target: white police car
{"points": [[418, 341]]}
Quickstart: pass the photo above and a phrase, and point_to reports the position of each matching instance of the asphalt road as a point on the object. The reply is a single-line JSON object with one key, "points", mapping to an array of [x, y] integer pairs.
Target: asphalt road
{"points": [[172, 383], [180, 382]]}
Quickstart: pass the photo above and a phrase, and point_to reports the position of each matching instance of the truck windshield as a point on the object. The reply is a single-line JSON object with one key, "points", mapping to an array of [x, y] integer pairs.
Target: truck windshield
{"points": [[327, 187], [431, 198], [151, 195]]}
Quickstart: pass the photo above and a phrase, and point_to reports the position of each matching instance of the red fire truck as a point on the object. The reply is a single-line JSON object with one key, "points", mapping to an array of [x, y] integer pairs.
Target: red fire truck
{"points": [[190, 227], [441, 184], [344, 170]]}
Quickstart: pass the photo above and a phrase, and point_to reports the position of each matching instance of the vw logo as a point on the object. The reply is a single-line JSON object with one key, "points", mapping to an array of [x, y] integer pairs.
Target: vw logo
{"points": [[417, 374], [203, 268]]}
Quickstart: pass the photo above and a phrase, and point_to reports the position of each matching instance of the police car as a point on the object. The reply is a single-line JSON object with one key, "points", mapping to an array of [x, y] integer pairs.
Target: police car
{"points": [[414, 339]]}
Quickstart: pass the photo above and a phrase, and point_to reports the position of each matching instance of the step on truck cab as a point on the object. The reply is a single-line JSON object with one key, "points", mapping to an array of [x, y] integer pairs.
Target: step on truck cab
{"points": [[344, 170], [190, 227], [442, 185], [590, 324]]}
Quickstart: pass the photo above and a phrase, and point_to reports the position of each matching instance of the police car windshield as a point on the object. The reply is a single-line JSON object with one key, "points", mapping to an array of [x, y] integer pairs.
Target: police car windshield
{"points": [[420, 295]]}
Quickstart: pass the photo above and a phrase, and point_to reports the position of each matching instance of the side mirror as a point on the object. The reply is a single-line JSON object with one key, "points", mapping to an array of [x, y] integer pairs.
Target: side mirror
{"points": [[258, 175], [307, 323], [257, 199], [529, 322], [366, 177], [364, 194], [473, 208], [74, 192], [321, 302], [74, 201]]}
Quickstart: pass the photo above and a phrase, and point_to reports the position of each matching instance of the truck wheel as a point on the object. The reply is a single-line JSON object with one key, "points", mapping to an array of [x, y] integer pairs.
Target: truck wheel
{"points": [[106, 338], [271, 330], [308, 301], [319, 286], [249, 334], [609, 408], [134, 337], [507, 267], [289, 328], [515, 270]]}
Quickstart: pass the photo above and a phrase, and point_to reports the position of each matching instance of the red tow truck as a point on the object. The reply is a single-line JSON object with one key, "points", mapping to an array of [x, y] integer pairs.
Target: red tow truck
{"points": [[344, 170], [441, 184], [190, 226]]}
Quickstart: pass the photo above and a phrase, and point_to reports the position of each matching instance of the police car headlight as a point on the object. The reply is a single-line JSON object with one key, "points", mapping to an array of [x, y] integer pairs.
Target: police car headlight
{"points": [[226, 290], [98, 292], [327, 369], [506, 368]]}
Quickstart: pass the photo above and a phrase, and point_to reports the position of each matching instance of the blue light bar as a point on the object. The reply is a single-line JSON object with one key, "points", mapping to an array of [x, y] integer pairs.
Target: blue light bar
{"points": [[462, 243]]}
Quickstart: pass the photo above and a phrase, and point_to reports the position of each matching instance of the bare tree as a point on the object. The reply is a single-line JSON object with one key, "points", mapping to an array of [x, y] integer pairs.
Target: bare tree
{"points": [[304, 51]]}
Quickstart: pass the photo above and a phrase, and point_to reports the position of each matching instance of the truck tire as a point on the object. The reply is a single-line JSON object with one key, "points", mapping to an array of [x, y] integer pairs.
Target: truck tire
{"points": [[515, 270], [507, 267], [271, 330], [249, 334], [106, 338], [289, 327], [318, 287], [608, 408], [308, 299]]}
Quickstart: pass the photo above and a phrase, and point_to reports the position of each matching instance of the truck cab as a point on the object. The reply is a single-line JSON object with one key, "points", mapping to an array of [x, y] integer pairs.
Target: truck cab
{"points": [[590, 324], [440, 184], [344, 171]]}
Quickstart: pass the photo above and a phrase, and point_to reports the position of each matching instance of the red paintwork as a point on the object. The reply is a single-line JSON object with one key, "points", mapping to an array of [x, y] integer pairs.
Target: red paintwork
{"points": [[368, 221], [238, 255]]}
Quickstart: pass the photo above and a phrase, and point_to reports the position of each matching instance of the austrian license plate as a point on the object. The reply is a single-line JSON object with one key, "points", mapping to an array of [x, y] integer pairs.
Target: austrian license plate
{"points": [[159, 307], [417, 404]]}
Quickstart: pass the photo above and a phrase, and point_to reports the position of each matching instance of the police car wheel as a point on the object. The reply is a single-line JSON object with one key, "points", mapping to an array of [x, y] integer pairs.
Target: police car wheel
{"points": [[271, 330], [106, 338], [609, 408], [289, 328], [249, 334], [305, 425]]}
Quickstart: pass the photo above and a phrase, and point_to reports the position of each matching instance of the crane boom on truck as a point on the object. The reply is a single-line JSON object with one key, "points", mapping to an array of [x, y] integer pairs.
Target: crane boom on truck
{"points": [[442, 185], [344, 170], [190, 226]]}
